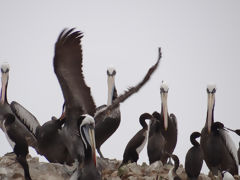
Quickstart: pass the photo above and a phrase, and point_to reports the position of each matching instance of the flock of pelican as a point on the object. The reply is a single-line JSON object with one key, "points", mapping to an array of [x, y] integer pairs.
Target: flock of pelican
{"points": [[82, 128]]}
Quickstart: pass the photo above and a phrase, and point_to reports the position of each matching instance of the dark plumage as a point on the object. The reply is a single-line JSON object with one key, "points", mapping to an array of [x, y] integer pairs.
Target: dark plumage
{"points": [[218, 148], [108, 117], [156, 141], [20, 144], [194, 158], [79, 103], [167, 125], [137, 143]]}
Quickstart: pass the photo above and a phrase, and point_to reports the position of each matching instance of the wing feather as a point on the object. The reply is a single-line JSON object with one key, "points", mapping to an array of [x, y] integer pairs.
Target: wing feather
{"points": [[27, 118], [68, 68], [129, 92]]}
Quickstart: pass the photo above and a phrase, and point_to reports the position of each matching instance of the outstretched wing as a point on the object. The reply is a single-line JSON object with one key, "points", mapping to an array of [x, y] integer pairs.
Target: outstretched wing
{"points": [[27, 122], [68, 68], [27, 118], [130, 91]]}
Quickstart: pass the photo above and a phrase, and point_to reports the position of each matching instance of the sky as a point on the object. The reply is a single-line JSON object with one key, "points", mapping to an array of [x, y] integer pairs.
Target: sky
{"points": [[200, 43]]}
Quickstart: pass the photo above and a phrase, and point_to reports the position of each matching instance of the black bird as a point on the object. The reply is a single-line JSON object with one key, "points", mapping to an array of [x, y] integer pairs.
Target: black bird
{"points": [[80, 106], [194, 158], [218, 148], [156, 141], [168, 125], [108, 117], [137, 143], [172, 174]]}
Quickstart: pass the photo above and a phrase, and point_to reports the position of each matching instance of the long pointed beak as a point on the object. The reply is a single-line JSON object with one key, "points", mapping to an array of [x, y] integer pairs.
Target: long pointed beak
{"points": [[111, 84], [165, 110], [90, 136], [4, 84], [211, 100], [93, 145]]}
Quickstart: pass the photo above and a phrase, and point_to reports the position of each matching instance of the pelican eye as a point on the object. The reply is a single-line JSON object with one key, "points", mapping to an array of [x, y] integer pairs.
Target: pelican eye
{"points": [[162, 90], [5, 71], [212, 92]]}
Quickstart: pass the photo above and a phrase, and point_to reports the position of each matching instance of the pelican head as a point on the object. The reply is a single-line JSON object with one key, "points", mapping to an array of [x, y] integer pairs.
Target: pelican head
{"points": [[211, 90], [111, 71], [87, 125], [5, 68], [164, 93]]}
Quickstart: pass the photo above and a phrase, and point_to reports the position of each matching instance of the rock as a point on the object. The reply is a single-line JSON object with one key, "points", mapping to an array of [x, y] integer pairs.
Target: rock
{"points": [[11, 170]]}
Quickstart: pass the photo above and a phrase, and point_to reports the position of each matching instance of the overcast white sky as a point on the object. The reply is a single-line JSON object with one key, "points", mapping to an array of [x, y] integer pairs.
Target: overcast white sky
{"points": [[200, 43]]}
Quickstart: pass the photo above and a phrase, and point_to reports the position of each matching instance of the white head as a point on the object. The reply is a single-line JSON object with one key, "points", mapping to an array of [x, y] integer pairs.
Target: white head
{"points": [[111, 71], [5, 67], [211, 88], [164, 87]]}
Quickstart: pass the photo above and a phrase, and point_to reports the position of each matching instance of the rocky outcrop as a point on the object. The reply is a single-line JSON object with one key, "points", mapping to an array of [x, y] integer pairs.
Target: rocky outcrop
{"points": [[11, 170]]}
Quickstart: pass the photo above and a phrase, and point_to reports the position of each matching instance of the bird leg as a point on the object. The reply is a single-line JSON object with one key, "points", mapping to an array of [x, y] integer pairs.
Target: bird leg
{"points": [[21, 150]]}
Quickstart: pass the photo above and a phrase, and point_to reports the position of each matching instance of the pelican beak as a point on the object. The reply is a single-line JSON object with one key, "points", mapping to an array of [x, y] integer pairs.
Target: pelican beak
{"points": [[211, 101], [165, 109], [90, 136], [111, 84], [4, 85]]}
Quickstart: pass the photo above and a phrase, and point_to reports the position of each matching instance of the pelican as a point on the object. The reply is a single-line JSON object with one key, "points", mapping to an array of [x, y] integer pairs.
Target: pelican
{"points": [[80, 106], [78, 99], [44, 139], [104, 129], [218, 148], [168, 124], [15, 128], [108, 116], [137, 143], [194, 158]]}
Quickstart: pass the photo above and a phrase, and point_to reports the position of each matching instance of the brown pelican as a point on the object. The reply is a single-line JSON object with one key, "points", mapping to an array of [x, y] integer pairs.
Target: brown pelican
{"points": [[218, 148], [168, 125], [107, 118], [172, 174], [16, 130], [194, 158], [137, 143], [44, 139], [80, 106], [111, 121]]}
